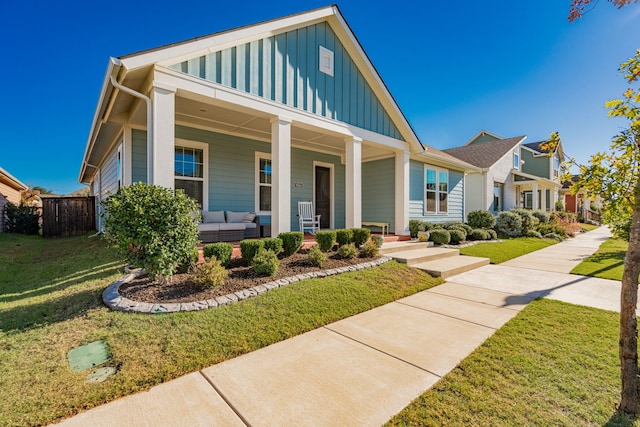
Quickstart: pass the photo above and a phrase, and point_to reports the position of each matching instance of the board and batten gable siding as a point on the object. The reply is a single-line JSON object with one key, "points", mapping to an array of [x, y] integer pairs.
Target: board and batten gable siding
{"points": [[538, 166], [417, 192], [231, 167], [285, 68], [138, 156], [378, 192]]}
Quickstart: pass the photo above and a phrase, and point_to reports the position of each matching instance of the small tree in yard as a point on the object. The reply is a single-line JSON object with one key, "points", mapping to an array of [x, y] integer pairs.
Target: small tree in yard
{"points": [[153, 227]]}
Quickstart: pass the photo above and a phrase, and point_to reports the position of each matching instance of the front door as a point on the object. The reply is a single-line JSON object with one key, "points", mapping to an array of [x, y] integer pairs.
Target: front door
{"points": [[323, 196]]}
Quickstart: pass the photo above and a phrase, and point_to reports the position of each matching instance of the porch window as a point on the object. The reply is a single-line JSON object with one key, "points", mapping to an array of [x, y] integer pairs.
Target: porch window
{"points": [[436, 190], [189, 172], [498, 191], [263, 182]]}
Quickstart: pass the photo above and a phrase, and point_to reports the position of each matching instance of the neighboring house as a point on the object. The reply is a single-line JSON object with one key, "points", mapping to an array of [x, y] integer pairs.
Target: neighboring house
{"points": [[580, 203], [511, 172], [10, 191], [260, 117]]}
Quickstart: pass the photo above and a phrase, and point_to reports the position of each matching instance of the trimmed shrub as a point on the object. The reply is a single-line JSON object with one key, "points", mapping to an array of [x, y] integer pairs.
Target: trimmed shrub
{"points": [[415, 225], [479, 234], [21, 219], [326, 240], [563, 216], [534, 233], [348, 251], [457, 235], [221, 250], [542, 216], [509, 224], [316, 256], [190, 262], [210, 274], [553, 236], [153, 227], [265, 263], [249, 249], [467, 228], [529, 222], [440, 236], [344, 236], [552, 228], [291, 241], [273, 244], [481, 219], [369, 249], [360, 236], [492, 234]]}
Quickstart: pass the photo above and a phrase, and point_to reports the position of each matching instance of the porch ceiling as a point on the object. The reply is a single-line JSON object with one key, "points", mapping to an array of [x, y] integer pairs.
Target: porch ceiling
{"points": [[255, 125]]}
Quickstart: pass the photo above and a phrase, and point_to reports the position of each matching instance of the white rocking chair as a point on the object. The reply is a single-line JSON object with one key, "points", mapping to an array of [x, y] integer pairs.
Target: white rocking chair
{"points": [[307, 217]]}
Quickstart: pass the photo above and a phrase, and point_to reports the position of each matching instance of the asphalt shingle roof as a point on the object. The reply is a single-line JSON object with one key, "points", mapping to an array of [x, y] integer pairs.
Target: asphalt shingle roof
{"points": [[484, 154], [535, 146]]}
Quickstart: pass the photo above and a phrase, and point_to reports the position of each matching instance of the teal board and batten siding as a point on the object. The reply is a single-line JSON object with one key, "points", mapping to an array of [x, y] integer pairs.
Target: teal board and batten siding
{"points": [[232, 172], [378, 192], [416, 196], [285, 68], [138, 156], [538, 166]]}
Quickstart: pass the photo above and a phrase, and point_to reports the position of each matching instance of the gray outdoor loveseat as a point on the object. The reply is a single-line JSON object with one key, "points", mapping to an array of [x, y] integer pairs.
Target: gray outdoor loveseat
{"points": [[218, 226]]}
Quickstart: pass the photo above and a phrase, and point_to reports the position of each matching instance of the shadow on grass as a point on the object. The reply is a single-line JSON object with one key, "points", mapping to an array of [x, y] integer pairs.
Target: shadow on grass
{"points": [[620, 419], [56, 284], [52, 311]]}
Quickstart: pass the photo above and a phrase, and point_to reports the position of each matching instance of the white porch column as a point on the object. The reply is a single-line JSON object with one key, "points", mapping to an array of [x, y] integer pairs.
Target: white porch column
{"points": [[534, 196], [353, 182], [160, 157], [543, 199], [281, 175], [586, 205], [401, 226]]}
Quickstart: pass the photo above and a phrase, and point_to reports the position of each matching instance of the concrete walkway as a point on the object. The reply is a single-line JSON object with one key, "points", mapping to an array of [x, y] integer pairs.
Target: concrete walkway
{"points": [[362, 370]]}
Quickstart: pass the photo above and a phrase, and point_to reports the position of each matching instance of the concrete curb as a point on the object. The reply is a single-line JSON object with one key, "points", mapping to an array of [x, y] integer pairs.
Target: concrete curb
{"points": [[112, 298]]}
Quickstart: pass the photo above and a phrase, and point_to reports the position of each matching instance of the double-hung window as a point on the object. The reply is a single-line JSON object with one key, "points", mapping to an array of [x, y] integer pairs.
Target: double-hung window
{"points": [[263, 183], [436, 190], [190, 170]]}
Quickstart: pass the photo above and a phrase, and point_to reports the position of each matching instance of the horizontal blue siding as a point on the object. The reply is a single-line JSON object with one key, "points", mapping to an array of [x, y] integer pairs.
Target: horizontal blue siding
{"points": [[416, 196], [109, 174], [284, 68], [378, 192]]}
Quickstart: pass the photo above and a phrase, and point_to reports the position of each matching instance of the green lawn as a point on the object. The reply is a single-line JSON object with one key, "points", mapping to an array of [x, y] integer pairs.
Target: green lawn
{"points": [[50, 302], [606, 263], [588, 227], [555, 364], [503, 251]]}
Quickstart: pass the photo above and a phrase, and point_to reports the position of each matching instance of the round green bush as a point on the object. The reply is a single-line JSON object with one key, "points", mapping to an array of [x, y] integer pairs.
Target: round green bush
{"points": [[265, 263], [153, 227], [21, 219], [492, 234], [529, 222], [369, 249], [553, 236], [479, 234], [360, 236], [249, 248], [344, 236], [533, 233], [221, 250], [211, 274], [348, 251], [542, 216], [326, 240], [291, 241], [457, 235], [440, 236], [273, 244], [316, 256], [481, 219], [467, 228], [509, 224]]}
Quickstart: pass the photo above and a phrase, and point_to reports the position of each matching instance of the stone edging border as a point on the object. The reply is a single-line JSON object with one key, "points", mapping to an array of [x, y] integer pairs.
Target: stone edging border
{"points": [[115, 301]]}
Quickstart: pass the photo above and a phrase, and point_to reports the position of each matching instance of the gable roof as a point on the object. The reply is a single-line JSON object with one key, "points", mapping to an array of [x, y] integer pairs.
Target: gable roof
{"points": [[535, 146], [486, 154], [481, 134], [12, 181]]}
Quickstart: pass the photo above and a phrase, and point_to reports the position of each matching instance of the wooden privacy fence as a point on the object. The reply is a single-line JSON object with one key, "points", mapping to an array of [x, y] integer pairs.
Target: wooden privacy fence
{"points": [[68, 216]]}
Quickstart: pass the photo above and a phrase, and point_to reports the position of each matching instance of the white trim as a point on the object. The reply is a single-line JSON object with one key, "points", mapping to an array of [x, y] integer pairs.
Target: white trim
{"points": [[331, 167], [179, 142], [325, 60], [261, 155], [127, 152], [437, 190], [516, 164]]}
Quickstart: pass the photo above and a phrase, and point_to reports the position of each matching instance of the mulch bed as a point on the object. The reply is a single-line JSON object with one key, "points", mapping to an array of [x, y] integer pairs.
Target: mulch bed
{"points": [[241, 276]]}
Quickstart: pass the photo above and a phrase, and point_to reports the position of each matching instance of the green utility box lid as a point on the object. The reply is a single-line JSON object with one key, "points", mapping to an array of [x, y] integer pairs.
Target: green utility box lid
{"points": [[88, 356]]}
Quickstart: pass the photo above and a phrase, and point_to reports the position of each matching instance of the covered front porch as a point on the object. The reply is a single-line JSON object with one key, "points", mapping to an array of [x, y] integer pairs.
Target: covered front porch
{"points": [[234, 151], [534, 192]]}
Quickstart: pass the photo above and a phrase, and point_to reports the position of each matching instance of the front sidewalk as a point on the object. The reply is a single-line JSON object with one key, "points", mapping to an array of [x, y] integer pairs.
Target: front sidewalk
{"points": [[358, 371]]}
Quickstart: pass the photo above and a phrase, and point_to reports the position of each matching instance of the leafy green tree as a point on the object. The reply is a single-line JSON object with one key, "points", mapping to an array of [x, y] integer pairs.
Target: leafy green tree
{"points": [[153, 227]]}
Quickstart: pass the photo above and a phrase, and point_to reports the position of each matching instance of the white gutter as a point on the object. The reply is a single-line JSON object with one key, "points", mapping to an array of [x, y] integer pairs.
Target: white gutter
{"points": [[146, 99]]}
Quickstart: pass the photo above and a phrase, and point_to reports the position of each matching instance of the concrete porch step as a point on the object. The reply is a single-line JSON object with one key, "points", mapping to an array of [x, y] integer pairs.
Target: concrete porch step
{"points": [[417, 256], [450, 266], [401, 246]]}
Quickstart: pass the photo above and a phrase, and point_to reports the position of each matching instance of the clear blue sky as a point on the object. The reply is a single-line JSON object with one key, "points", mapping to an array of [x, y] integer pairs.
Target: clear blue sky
{"points": [[455, 68]]}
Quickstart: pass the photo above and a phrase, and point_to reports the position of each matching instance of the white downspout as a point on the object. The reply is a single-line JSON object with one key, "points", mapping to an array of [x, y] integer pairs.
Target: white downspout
{"points": [[149, 124]]}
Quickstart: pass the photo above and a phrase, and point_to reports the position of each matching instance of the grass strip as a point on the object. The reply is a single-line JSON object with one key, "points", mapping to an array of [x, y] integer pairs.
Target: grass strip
{"points": [[507, 249], [606, 263]]}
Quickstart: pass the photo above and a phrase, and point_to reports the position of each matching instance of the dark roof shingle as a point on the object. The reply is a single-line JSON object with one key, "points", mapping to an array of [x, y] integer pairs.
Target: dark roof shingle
{"points": [[486, 154]]}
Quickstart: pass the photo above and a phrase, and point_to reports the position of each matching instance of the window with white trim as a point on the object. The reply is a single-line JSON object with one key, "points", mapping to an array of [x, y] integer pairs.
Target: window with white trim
{"points": [[263, 183], [189, 165], [556, 165], [436, 190], [516, 160], [498, 191]]}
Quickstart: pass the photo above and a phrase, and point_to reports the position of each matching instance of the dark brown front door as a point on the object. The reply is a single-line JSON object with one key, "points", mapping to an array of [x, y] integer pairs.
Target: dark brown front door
{"points": [[323, 196]]}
